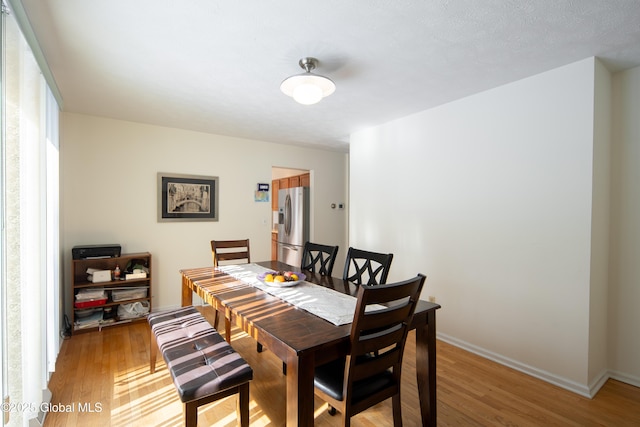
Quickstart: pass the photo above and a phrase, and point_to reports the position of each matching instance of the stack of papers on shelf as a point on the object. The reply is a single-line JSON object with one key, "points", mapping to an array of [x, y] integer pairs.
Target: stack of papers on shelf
{"points": [[90, 298], [92, 321], [104, 322], [91, 294]]}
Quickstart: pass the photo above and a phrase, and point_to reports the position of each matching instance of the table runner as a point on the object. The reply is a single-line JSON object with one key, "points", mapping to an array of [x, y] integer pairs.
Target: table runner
{"points": [[333, 306]]}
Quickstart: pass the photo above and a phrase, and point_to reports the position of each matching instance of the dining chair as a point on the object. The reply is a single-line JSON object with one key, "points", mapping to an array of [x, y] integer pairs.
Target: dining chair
{"points": [[370, 373], [366, 268], [229, 252], [318, 258]]}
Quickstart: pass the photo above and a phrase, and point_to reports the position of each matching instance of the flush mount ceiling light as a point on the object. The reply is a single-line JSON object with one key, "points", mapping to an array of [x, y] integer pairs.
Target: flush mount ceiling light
{"points": [[307, 88]]}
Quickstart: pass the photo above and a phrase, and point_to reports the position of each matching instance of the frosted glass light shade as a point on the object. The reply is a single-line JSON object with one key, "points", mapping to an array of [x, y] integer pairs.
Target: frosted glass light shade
{"points": [[307, 88]]}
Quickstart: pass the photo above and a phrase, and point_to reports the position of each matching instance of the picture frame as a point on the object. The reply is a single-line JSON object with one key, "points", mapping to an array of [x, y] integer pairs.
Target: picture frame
{"points": [[187, 197]]}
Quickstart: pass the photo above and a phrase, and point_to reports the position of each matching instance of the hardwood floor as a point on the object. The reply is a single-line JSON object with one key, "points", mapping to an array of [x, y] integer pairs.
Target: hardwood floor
{"points": [[102, 378]]}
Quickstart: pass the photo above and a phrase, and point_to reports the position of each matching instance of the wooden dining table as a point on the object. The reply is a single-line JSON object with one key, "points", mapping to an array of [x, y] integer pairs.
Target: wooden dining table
{"points": [[301, 339]]}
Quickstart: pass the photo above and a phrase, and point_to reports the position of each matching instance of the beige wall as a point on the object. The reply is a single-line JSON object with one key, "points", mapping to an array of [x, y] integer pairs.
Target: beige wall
{"points": [[502, 199], [109, 193]]}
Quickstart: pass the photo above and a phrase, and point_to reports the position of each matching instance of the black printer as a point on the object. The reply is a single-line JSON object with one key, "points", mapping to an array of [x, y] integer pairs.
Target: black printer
{"points": [[96, 251]]}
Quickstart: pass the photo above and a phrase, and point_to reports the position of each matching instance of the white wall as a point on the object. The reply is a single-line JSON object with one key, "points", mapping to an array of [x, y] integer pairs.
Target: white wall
{"points": [[624, 296], [109, 191], [600, 227], [491, 197]]}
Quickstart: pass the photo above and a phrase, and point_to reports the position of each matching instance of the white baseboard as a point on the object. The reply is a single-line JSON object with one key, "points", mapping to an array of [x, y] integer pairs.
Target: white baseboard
{"points": [[625, 378], [566, 384], [597, 383]]}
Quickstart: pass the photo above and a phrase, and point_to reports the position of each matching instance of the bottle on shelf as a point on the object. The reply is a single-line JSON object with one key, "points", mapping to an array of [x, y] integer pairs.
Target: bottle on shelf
{"points": [[116, 272]]}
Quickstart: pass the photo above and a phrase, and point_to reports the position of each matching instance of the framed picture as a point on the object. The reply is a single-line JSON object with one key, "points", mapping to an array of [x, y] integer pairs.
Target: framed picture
{"points": [[187, 197]]}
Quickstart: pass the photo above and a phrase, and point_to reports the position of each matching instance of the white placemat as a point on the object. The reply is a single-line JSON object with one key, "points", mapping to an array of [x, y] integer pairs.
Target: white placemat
{"points": [[333, 306]]}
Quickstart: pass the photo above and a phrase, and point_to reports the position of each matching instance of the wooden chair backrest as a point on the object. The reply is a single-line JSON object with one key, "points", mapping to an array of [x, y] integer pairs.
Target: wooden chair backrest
{"points": [[367, 268], [319, 258], [230, 250]]}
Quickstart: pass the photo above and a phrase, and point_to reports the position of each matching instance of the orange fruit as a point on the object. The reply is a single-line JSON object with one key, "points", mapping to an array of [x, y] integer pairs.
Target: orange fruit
{"points": [[268, 278], [278, 279]]}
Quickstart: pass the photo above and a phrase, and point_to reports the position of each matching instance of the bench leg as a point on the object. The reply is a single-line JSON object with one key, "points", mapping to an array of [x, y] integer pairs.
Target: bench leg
{"points": [[191, 408], [243, 404], [153, 351], [191, 414]]}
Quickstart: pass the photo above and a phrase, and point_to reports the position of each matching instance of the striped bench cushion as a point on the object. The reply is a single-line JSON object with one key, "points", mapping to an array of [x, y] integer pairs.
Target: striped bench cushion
{"points": [[200, 361], [176, 327]]}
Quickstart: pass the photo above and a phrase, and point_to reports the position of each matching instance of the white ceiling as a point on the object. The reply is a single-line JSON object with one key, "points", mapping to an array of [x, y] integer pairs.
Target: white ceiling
{"points": [[216, 66]]}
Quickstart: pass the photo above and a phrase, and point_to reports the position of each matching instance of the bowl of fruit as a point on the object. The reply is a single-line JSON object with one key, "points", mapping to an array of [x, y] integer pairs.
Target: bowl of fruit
{"points": [[281, 278]]}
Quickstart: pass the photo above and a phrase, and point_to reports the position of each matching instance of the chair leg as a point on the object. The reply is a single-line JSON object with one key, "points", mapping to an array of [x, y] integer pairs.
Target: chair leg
{"points": [[243, 404], [346, 421], [191, 414], [397, 410]]}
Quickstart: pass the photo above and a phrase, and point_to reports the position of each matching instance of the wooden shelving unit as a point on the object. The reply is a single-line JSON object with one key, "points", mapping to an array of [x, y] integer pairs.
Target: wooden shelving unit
{"points": [[109, 307]]}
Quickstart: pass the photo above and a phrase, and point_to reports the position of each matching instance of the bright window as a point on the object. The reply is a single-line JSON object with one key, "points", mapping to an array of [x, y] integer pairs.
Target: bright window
{"points": [[31, 296]]}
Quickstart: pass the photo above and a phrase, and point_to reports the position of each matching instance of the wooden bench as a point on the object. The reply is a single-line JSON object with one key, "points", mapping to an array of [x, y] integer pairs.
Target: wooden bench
{"points": [[203, 366]]}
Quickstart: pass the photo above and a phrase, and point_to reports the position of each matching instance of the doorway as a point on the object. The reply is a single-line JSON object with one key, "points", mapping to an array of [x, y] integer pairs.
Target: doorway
{"points": [[282, 178]]}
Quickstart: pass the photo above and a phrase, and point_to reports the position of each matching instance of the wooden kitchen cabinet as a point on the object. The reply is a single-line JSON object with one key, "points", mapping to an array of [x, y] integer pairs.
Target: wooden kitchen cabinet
{"points": [[274, 246], [275, 187], [305, 180], [302, 180]]}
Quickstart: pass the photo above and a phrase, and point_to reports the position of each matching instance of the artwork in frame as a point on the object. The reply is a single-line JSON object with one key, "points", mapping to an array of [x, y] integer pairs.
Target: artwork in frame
{"points": [[187, 197]]}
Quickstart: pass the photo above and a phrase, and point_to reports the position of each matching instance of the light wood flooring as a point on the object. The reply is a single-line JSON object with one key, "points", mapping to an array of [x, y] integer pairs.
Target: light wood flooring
{"points": [[110, 370]]}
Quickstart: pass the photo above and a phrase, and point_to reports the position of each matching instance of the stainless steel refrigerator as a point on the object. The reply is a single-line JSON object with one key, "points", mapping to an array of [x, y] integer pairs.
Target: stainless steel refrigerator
{"points": [[293, 224]]}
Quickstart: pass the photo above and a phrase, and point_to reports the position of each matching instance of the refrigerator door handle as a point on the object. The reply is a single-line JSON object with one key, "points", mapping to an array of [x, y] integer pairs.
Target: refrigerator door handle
{"points": [[287, 215]]}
